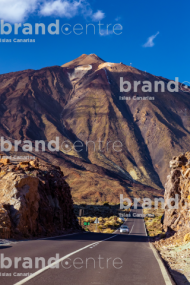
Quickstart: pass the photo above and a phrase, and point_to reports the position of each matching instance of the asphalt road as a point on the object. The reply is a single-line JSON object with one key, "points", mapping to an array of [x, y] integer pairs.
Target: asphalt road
{"points": [[93, 258]]}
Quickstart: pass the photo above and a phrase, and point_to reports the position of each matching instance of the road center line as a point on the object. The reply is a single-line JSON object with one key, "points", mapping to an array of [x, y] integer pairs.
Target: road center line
{"points": [[132, 228], [54, 263]]}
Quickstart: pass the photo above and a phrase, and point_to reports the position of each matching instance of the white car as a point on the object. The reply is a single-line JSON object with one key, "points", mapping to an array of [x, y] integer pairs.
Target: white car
{"points": [[124, 229]]}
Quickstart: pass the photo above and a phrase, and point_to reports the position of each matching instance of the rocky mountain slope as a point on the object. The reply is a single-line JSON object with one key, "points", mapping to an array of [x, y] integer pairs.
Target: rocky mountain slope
{"points": [[35, 200], [174, 245], [80, 101], [178, 187]]}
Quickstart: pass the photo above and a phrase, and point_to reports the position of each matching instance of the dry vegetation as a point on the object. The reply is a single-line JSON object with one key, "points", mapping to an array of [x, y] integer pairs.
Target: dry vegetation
{"points": [[105, 225], [107, 214], [154, 225]]}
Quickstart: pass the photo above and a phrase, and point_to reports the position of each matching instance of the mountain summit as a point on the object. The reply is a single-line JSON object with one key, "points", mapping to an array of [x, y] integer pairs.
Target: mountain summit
{"points": [[125, 144], [83, 60]]}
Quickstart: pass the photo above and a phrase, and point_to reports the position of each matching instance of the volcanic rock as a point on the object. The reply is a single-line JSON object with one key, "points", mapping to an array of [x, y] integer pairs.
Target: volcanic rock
{"points": [[35, 201], [178, 186]]}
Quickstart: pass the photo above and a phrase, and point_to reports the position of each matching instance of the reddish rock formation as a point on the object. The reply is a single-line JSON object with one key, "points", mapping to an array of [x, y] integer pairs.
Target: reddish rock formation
{"points": [[178, 183], [35, 199]]}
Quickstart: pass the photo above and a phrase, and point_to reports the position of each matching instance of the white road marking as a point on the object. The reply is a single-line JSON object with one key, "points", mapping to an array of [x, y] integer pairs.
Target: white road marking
{"points": [[54, 263], [94, 245], [132, 228], [160, 262], [162, 267]]}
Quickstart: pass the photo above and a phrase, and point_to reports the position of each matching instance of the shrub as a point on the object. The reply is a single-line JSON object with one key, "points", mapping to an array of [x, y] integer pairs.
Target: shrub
{"points": [[119, 221], [106, 225], [93, 219], [111, 218], [112, 223], [186, 237], [87, 219]]}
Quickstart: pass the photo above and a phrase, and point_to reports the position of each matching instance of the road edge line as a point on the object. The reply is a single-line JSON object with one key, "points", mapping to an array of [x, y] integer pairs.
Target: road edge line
{"points": [[57, 261], [163, 269]]}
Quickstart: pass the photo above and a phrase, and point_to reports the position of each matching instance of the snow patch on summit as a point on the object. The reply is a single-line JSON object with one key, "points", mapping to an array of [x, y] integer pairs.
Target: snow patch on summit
{"points": [[83, 67], [106, 64], [79, 72]]}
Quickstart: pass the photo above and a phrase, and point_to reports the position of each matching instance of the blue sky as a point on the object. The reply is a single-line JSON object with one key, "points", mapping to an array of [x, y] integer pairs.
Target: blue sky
{"points": [[155, 36]]}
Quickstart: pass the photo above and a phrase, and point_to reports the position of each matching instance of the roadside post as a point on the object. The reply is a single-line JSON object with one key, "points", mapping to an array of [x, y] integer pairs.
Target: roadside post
{"points": [[96, 222], [81, 213]]}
